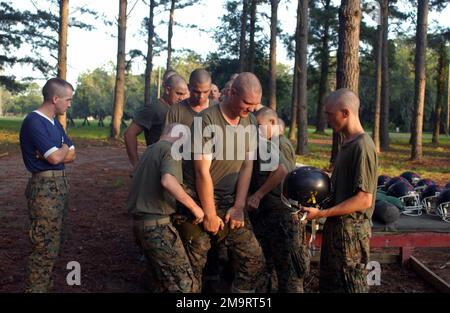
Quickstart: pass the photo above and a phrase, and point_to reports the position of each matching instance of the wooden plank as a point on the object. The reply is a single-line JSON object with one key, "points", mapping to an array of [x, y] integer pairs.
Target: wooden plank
{"points": [[382, 258], [428, 275], [397, 240]]}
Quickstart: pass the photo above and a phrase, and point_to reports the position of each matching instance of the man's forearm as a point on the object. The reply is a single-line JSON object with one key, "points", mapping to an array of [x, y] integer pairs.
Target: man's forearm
{"points": [[171, 184], [70, 157], [205, 190], [275, 178], [59, 155], [243, 184], [358, 203], [131, 144]]}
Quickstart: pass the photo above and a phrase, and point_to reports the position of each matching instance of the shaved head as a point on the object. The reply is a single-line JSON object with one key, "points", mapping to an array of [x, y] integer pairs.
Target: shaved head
{"points": [[175, 81], [247, 83], [265, 114], [343, 98], [199, 76], [55, 87], [168, 73]]}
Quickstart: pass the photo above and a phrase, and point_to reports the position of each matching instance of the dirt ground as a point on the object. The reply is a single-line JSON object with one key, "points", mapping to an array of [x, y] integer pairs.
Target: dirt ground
{"points": [[98, 230]]}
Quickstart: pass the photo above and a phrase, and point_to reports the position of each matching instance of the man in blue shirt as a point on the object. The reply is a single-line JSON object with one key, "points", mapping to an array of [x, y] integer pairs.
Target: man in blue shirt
{"points": [[45, 149]]}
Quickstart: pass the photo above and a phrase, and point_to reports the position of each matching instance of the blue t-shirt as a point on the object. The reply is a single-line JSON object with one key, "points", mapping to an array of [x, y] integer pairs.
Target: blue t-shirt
{"points": [[40, 133]]}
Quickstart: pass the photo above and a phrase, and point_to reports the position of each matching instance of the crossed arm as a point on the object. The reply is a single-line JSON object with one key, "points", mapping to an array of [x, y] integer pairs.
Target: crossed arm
{"points": [[62, 155]]}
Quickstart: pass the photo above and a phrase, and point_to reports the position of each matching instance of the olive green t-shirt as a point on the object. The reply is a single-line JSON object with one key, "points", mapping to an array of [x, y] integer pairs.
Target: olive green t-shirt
{"points": [[228, 155], [152, 118], [183, 113], [147, 196], [260, 176], [287, 149], [355, 169]]}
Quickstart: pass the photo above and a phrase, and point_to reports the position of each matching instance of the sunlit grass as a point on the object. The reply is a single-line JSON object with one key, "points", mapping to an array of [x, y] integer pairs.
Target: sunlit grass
{"points": [[435, 163]]}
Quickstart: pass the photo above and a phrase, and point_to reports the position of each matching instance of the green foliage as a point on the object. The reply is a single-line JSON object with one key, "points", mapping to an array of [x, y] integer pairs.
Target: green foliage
{"points": [[95, 90], [36, 30], [186, 62], [23, 102]]}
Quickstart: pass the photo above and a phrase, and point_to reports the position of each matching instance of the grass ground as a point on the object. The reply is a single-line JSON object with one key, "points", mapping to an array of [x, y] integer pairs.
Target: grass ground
{"points": [[435, 163]]}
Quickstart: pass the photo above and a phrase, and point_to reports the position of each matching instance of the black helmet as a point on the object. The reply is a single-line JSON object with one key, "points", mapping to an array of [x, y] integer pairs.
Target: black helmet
{"points": [[443, 197], [306, 186], [382, 180], [394, 180], [410, 199], [423, 183], [400, 189], [430, 191], [411, 177], [447, 185], [429, 198], [443, 205]]}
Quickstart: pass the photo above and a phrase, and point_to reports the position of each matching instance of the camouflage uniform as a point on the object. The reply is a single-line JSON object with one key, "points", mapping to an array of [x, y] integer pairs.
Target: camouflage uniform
{"points": [[344, 255], [47, 199], [281, 234], [283, 240], [151, 206], [167, 260], [345, 246], [243, 248]]}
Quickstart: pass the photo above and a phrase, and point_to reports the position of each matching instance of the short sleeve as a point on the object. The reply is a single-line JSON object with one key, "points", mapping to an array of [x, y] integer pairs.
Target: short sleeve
{"points": [[143, 117], [170, 116], [65, 138], [40, 139], [365, 170], [171, 166]]}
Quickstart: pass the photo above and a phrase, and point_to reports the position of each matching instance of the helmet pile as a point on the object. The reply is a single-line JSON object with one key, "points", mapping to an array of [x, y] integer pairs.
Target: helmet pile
{"points": [[418, 194]]}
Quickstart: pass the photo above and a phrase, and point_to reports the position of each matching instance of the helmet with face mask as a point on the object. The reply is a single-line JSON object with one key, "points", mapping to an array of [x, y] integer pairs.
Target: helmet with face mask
{"points": [[382, 181], [443, 205], [423, 184], [406, 194], [411, 177], [429, 198]]}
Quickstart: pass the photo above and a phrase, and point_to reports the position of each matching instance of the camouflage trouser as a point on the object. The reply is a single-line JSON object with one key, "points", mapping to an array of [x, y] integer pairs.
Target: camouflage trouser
{"points": [[344, 255], [47, 203], [283, 239], [244, 250], [169, 267]]}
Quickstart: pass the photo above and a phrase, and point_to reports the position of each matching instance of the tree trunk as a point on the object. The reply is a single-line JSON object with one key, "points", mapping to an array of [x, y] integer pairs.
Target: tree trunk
{"points": [[149, 59], [301, 52], [440, 93], [294, 103], [170, 34], [384, 110], [377, 105], [324, 68], [447, 122], [273, 55], [347, 72], [62, 48], [419, 94], [243, 34], [251, 48], [119, 89]]}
